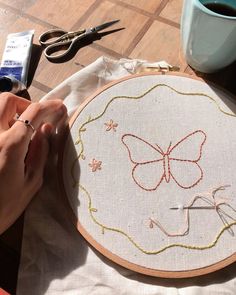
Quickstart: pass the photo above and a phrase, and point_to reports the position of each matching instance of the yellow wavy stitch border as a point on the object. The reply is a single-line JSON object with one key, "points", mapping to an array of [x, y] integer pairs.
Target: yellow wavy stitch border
{"points": [[90, 207], [190, 247]]}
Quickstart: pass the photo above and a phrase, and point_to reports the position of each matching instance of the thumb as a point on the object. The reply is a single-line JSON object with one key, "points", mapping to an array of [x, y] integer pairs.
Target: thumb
{"points": [[36, 158]]}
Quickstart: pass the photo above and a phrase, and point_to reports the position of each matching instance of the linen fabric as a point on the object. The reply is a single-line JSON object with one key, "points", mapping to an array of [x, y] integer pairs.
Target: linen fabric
{"points": [[56, 259]]}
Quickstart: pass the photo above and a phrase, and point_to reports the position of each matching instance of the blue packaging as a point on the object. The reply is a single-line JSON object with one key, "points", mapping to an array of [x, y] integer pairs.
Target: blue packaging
{"points": [[15, 60]]}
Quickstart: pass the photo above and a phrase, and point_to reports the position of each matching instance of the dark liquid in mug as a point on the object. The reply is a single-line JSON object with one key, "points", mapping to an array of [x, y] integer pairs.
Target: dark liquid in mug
{"points": [[221, 9]]}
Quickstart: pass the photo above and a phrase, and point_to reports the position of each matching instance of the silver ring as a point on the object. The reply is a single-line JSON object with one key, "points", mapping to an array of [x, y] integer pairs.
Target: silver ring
{"points": [[27, 123]]}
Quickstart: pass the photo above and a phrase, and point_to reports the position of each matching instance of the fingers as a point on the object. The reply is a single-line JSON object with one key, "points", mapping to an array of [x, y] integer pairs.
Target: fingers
{"points": [[10, 104], [52, 112], [36, 158]]}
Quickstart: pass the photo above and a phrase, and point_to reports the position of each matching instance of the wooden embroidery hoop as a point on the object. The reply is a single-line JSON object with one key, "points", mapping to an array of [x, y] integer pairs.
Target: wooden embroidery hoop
{"points": [[115, 258]]}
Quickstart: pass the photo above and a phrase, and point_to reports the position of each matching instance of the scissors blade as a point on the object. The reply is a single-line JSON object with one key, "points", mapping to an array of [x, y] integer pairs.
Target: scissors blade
{"points": [[101, 35], [105, 25]]}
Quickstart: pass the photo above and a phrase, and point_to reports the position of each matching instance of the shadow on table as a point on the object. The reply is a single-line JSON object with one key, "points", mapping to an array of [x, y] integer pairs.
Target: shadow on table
{"points": [[33, 65], [223, 84], [10, 245], [34, 61], [226, 78]]}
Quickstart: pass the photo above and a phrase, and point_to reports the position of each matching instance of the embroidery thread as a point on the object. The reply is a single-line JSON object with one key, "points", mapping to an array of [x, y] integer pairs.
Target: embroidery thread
{"points": [[95, 165], [103, 227], [162, 160], [111, 125], [138, 97], [92, 210], [209, 198]]}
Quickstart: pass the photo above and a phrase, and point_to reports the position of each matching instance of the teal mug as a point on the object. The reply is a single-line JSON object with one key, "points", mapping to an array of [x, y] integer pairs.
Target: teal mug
{"points": [[208, 33]]}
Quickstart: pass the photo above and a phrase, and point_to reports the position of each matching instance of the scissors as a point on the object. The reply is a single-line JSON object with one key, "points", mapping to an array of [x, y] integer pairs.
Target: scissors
{"points": [[61, 41]]}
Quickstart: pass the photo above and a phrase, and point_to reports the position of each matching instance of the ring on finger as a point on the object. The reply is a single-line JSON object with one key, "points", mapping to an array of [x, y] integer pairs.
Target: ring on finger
{"points": [[27, 123]]}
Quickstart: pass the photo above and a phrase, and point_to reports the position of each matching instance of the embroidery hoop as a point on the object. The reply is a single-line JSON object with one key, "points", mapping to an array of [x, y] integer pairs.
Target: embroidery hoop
{"points": [[101, 247]]}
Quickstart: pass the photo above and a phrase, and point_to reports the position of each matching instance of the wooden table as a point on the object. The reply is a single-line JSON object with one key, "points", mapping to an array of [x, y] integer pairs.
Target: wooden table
{"points": [[152, 32]]}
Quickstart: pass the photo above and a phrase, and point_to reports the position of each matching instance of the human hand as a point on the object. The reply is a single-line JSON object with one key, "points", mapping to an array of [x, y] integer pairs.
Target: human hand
{"points": [[23, 151]]}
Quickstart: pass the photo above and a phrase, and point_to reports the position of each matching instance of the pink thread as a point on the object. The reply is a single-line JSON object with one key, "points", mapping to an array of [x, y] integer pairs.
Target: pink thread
{"points": [[111, 125], [209, 199], [165, 158], [95, 165]]}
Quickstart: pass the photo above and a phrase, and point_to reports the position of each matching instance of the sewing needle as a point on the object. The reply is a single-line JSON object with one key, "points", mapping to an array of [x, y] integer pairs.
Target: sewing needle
{"points": [[196, 207]]}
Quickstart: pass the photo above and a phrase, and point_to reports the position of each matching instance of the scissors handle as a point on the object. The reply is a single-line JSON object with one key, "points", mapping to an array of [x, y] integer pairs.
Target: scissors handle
{"points": [[57, 35], [59, 41]]}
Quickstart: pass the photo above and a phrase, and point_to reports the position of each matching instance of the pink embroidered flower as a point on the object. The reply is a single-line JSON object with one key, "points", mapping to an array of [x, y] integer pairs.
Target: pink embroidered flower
{"points": [[95, 165], [111, 125]]}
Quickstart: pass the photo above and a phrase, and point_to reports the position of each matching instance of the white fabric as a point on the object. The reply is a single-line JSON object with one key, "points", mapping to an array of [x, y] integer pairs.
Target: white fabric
{"points": [[127, 195], [57, 260]]}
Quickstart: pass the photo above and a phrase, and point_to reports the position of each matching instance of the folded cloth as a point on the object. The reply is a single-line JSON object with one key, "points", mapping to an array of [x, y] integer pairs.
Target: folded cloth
{"points": [[55, 259]]}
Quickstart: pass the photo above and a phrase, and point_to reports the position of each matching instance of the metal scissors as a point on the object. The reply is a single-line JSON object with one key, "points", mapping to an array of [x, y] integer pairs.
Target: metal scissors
{"points": [[61, 41]]}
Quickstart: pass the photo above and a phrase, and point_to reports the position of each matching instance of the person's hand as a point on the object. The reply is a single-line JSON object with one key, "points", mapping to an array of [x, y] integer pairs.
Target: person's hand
{"points": [[23, 151]]}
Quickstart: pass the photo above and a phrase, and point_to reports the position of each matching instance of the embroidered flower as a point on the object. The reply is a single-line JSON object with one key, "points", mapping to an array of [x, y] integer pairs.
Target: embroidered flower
{"points": [[111, 125], [95, 165]]}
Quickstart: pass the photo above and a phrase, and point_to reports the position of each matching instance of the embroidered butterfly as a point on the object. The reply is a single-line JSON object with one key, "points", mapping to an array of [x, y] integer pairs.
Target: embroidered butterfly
{"points": [[179, 162]]}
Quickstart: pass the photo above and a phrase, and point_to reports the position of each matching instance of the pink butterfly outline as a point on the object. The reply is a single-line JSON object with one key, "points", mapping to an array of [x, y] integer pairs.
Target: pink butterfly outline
{"points": [[166, 159]]}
